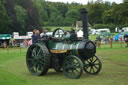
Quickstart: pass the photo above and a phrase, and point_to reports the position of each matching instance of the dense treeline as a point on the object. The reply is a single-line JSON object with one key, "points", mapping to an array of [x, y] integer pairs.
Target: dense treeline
{"points": [[25, 15]]}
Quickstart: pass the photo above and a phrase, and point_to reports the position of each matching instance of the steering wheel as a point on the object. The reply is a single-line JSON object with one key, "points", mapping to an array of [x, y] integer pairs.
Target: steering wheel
{"points": [[59, 33]]}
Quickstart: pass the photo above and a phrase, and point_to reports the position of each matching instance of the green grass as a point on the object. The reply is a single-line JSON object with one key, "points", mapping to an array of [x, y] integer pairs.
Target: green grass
{"points": [[13, 70]]}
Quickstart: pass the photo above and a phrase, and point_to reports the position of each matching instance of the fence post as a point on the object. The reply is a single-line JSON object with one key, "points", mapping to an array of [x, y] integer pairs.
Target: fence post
{"points": [[110, 42]]}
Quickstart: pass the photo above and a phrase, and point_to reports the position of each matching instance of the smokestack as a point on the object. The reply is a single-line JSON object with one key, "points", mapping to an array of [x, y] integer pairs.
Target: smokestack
{"points": [[85, 23]]}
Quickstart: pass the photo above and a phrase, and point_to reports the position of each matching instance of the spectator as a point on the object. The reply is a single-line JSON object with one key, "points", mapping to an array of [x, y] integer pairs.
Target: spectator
{"points": [[5, 44], [126, 39], [25, 42], [98, 41], [11, 41], [35, 36], [44, 34], [30, 42]]}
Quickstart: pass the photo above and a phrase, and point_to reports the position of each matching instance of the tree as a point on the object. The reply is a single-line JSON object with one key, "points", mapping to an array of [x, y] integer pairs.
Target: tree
{"points": [[107, 17], [21, 15], [5, 20], [95, 13], [41, 5], [120, 14], [62, 8], [125, 1], [107, 5], [72, 16], [33, 20]]}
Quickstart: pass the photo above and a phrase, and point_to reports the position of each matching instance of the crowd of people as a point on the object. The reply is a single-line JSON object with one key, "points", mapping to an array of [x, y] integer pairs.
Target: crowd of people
{"points": [[109, 39], [26, 42], [37, 36]]}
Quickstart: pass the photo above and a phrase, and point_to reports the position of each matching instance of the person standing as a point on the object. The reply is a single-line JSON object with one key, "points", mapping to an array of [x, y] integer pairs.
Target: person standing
{"points": [[11, 41], [98, 41], [25, 42], [126, 39], [35, 36]]}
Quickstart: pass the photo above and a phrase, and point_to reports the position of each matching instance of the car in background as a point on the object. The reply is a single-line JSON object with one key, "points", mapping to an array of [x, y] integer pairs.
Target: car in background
{"points": [[99, 31], [125, 29]]}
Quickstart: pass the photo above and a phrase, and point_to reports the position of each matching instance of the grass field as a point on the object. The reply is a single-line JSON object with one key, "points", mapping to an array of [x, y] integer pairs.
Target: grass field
{"points": [[13, 70]]}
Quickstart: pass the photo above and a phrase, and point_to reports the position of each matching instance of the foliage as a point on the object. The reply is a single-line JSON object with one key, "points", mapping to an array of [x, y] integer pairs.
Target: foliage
{"points": [[95, 13], [61, 14], [21, 15], [120, 13], [72, 16], [107, 17], [5, 20]]}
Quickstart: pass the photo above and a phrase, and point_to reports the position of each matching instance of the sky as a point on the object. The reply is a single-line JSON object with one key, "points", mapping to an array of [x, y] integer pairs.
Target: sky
{"points": [[83, 1]]}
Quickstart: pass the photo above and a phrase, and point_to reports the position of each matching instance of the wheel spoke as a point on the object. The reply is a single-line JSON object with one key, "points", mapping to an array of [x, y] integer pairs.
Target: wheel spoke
{"points": [[88, 61], [90, 70], [95, 60], [39, 52], [97, 64], [91, 59], [93, 70], [33, 66], [34, 52], [77, 71], [95, 67], [76, 65], [38, 67], [86, 66]]}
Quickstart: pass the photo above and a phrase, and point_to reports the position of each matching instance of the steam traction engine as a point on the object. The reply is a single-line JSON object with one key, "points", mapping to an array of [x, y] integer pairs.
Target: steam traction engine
{"points": [[64, 53]]}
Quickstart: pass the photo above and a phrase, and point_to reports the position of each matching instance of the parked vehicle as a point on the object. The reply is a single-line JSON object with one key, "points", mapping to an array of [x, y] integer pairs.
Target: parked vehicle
{"points": [[125, 29], [99, 31]]}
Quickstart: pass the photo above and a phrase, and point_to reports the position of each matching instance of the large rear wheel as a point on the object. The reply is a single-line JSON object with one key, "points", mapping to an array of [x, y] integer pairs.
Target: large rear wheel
{"points": [[38, 59]]}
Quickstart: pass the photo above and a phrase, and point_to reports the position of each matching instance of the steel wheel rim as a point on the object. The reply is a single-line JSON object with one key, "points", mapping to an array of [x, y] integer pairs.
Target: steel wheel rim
{"points": [[92, 65], [35, 60], [72, 68]]}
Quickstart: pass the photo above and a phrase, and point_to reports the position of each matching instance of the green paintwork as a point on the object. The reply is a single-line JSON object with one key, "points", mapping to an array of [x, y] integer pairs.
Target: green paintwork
{"points": [[70, 46]]}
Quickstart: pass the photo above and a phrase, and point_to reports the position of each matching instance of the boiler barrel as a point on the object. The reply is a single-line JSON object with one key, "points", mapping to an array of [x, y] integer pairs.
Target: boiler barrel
{"points": [[78, 48]]}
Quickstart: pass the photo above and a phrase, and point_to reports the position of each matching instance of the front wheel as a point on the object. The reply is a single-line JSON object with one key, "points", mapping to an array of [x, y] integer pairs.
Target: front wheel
{"points": [[72, 67], [92, 65]]}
